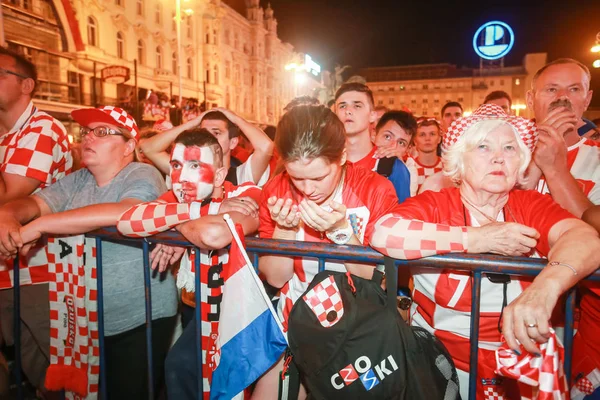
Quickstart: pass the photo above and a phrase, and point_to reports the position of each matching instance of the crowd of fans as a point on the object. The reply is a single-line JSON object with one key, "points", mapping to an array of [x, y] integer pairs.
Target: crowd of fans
{"points": [[409, 186]]}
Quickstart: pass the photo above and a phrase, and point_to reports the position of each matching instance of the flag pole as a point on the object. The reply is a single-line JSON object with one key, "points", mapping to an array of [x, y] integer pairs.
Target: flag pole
{"points": [[257, 280]]}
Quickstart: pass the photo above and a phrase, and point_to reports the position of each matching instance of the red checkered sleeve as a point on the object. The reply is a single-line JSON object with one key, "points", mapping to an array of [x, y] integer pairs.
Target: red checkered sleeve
{"points": [[147, 219], [39, 151], [409, 239]]}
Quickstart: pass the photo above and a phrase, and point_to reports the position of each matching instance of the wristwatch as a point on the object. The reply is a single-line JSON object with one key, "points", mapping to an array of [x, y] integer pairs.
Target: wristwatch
{"points": [[340, 235]]}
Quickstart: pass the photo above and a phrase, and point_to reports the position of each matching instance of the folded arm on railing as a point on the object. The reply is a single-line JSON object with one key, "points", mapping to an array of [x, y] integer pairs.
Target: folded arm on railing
{"points": [[150, 218]]}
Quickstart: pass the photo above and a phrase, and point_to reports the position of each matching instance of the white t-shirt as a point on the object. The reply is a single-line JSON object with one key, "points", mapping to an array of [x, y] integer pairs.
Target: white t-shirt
{"points": [[244, 173]]}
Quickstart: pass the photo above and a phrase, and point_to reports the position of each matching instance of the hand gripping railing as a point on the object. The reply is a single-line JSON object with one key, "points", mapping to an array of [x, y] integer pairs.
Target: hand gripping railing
{"points": [[477, 264]]}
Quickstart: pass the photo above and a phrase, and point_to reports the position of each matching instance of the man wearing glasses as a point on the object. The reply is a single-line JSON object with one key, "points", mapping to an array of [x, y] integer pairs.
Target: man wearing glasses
{"points": [[34, 153]]}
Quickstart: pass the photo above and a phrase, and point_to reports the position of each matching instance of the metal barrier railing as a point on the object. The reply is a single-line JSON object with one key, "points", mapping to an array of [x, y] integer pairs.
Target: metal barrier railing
{"points": [[477, 264]]}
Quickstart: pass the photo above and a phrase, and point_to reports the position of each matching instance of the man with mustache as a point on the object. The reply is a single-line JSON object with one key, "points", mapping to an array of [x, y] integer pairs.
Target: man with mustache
{"points": [[570, 166]]}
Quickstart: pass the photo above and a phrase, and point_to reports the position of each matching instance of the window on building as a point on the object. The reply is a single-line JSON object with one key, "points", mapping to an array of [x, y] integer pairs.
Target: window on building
{"points": [[227, 69], [425, 86], [391, 89], [216, 74], [189, 27], [425, 111], [391, 101], [425, 101], [236, 41], [190, 68], [413, 101], [120, 46], [215, 36], [158, 13], [174, 62], [173, 21], [92, 32], [436, 101], [207, 37], [448, 85], [461, 99], [141, 52], [140, 7], [492, 82], [159, 57], [207, 74], [380, 102], [119, 3], [501, 82]]}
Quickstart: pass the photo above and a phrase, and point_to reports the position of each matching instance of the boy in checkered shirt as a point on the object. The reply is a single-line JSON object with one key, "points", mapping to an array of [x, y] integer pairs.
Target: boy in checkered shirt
{"points": [[34, 153], [195, 207]]}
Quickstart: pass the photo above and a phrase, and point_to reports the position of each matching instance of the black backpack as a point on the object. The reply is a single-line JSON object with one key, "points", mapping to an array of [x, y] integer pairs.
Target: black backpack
{"points": [[351, 343]]}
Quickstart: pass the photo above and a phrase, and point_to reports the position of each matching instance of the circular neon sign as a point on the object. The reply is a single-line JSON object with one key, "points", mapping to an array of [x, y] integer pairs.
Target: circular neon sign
{"points": [[493, 40]]}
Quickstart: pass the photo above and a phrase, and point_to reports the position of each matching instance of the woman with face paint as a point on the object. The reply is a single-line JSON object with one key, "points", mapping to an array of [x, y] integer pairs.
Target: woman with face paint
{"points": [[319, 197], [195, 207]]}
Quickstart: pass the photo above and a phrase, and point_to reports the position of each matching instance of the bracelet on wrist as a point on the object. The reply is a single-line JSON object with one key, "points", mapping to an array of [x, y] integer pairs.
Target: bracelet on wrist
{"points": [[562, 264]]}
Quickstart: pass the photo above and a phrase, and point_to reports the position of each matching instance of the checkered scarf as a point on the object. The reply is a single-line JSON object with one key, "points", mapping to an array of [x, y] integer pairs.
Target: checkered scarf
{"points": [[74, 346], [539, 378], [526, 128]]}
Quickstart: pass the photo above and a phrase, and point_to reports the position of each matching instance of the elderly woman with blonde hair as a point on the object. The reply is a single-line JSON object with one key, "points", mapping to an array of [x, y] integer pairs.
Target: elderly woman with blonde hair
{"points": [[486, 155]]}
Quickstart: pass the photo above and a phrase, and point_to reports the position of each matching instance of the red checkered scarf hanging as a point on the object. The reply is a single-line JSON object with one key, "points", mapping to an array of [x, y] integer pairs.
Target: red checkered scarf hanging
{"points": [[539, 378], [526, 128], [74, 346]]}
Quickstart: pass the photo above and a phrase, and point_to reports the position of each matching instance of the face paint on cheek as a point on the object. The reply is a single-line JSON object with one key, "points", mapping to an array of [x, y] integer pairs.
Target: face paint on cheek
{"points": [[198, 176]]}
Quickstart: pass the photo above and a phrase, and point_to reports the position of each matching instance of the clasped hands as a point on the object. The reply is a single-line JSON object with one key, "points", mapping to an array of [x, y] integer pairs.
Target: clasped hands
{"points": [[288, 215]]}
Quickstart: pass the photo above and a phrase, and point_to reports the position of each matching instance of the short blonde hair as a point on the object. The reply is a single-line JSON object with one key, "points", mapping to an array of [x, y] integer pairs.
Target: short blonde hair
{"points": [[454, 166]]}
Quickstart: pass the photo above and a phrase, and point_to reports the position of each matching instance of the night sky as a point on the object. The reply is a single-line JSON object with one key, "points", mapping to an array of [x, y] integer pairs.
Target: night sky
{"points": [[371, 33]]}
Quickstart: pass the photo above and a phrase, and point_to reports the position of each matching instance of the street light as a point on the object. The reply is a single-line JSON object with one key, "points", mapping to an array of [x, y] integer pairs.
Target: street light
{"points": [[596, 49], [518, 107], [188, 12]]}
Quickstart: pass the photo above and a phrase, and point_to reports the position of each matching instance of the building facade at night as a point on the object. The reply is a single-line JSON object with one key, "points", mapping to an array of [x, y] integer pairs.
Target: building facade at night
{"points": [[424, 89], [228, 59]]}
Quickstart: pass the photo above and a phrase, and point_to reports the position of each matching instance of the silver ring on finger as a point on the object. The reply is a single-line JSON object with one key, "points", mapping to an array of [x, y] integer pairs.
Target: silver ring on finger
{"points": [[531, 325]]}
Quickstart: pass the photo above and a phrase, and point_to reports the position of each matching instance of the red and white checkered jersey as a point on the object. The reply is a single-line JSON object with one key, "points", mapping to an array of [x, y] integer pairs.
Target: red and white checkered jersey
{"points": [[442, 301], [367, 197], [583, 161], [211, 283], [424, 171], [36, 147]]}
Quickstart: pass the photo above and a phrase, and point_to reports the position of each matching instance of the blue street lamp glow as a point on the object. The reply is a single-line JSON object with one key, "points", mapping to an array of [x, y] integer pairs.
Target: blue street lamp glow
{"points": [[495, 44]]}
